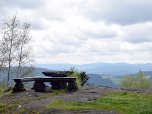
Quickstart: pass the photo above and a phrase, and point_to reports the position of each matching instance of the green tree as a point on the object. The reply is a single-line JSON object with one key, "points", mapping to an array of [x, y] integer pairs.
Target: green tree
{"points": [[138, 81], [141, 81], [83, 77], [127, 81], [76, 74]]}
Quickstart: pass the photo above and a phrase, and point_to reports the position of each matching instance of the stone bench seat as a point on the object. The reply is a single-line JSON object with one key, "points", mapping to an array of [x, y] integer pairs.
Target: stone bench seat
{"points": [[26, 79], [57, 83], [41, 79]]}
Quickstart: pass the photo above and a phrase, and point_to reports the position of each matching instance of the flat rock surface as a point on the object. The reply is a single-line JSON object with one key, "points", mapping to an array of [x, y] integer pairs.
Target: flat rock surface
{"points": [[88, 93]]}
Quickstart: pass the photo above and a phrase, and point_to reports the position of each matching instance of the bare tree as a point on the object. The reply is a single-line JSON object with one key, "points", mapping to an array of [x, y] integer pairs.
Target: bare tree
{"points": [[1, 64], [24, 57], [9, 42], [14, 49]]}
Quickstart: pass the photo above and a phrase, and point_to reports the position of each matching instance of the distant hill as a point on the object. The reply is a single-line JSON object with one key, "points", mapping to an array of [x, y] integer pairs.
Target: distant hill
{"points": [[150, 78], [147, 73], [38, 71], [97, 80], [115, 69]]}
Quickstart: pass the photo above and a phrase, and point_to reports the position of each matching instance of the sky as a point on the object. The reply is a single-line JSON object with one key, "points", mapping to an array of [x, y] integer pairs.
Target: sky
{"points": [[86, 31]]}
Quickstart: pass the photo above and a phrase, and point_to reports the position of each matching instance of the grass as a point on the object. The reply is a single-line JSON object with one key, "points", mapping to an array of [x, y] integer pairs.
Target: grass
{"points": [[123, 102], [4, 109], [3, 88], [114, 79], [54, 92], [1, 94]]}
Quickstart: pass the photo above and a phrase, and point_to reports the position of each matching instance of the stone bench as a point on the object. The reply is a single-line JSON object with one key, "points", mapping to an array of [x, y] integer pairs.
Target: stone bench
{"points": [[39, 86]]}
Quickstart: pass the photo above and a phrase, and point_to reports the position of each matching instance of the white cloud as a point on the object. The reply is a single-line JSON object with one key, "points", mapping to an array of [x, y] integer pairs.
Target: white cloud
{"points": [[86, 31], [137, 33], [24, 4], [123, 12]]}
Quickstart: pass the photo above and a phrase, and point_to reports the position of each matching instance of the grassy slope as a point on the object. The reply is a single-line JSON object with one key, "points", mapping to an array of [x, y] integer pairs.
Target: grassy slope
{"points": [[124, 102]]}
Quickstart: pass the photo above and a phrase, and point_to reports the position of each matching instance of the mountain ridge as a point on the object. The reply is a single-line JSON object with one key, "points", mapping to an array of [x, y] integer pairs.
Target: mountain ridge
{"points": [[102, 68]]}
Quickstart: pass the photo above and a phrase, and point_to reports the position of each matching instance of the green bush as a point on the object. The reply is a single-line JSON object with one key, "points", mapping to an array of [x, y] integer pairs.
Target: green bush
{"points": [[82, 78], [137, 81]]}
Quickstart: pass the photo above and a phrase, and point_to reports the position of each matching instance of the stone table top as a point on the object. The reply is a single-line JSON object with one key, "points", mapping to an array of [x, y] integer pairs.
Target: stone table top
{"points": [[55, 73]]}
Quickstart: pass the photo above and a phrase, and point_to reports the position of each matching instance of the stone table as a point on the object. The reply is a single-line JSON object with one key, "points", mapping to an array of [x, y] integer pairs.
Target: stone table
{"points": [[60, 85]]}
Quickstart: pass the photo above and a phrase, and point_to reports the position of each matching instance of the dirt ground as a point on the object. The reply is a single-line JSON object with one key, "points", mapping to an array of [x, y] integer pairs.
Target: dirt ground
{"points": [[88, 93]]}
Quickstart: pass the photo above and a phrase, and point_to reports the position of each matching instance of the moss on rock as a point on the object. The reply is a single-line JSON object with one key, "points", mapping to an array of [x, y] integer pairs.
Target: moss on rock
{"points": [[39, 87], [72, 86], [18, 87]]}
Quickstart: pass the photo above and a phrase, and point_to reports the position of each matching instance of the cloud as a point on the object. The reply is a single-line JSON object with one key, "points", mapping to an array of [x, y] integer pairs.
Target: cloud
{"points": [[123, 12], [85, 31], [138, 33], [23, 4], [97, 30]]}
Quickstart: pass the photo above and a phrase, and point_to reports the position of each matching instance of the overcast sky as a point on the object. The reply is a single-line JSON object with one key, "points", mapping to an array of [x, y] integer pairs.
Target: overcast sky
{"points": [[86, 31]]}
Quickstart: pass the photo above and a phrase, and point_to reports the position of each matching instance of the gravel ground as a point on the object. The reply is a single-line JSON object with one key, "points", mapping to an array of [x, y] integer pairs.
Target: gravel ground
{"points": [[88, 93]]}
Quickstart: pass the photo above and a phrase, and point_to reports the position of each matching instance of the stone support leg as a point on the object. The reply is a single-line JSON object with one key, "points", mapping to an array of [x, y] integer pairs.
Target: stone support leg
{"points": [[72, 86], [58, 85], [39, 87], [18, 87]]}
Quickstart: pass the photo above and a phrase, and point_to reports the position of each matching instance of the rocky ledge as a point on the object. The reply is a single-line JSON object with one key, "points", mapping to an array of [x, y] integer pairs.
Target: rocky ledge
{"points": [[87, 93]]}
